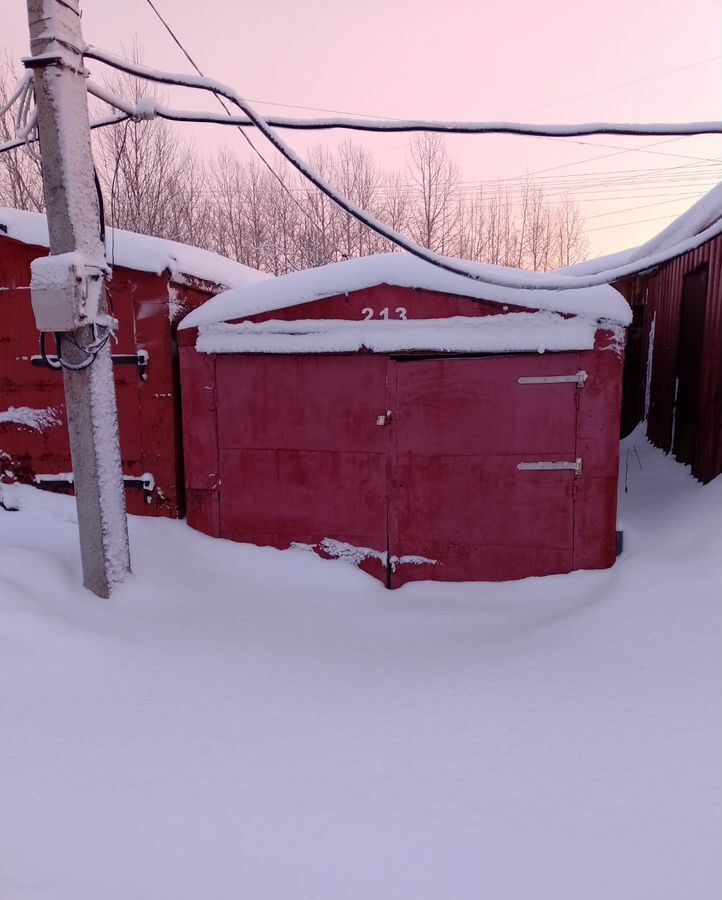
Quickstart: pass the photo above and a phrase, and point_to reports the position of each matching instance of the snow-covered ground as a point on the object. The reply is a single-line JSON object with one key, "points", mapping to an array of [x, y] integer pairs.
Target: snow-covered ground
{"points": [[244, 723]]}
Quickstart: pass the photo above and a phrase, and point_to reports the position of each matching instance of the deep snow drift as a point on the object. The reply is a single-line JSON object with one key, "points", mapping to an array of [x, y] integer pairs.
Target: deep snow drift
{"points": [[247, 723]]}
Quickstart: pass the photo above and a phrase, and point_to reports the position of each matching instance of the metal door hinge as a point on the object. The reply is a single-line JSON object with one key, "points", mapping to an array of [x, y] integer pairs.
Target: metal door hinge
{"points": [[579, 378], [575, 466]]}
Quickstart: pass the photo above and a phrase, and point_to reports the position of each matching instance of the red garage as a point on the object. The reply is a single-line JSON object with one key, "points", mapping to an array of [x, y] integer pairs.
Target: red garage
{"points": [[420, 424], [155, 282]]}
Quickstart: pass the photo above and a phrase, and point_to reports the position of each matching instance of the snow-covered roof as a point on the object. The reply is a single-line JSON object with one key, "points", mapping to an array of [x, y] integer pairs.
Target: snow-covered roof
{"points": [[404, 270], [520, 332], [141, 252], [701, 222]]}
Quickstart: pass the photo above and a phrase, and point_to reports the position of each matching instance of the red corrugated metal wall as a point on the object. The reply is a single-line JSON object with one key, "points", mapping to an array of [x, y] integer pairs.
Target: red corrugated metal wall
{"points": [[662, 307]]}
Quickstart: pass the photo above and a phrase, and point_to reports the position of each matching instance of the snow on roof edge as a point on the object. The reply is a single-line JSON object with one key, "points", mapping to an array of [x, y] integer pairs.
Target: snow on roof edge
{"points": [[141, 252], [406, 271], [535, 332], [703, 219]]}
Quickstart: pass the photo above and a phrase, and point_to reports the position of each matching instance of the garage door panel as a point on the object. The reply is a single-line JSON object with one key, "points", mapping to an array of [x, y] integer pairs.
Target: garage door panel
{"points": [[286, 493], [301, 402], [457, 496], [481, 500], [469, 405]]}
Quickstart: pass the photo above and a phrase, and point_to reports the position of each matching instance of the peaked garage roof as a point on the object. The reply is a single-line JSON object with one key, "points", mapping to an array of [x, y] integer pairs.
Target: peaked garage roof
{"points": [[404, 270]]}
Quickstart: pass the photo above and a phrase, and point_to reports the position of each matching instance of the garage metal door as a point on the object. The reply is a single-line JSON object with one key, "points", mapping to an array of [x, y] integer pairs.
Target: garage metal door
{"points": [[301, 459], [447, 468], [484, 467]]}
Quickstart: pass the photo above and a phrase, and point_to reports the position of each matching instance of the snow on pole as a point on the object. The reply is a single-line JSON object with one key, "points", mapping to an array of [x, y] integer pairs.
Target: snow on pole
{"points": [[74, 230]]}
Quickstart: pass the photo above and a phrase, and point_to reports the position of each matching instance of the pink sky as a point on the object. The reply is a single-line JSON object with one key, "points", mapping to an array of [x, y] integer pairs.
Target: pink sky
{"points": [[464, 59]]}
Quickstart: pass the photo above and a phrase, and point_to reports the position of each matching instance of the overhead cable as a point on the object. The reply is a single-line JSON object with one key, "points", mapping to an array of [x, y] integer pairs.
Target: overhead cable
{"points": [[529, 281]]}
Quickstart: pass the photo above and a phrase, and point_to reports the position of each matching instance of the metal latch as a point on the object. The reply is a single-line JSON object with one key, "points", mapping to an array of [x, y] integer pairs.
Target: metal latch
{"points": [[139, 359], [575, 466], [579, 378], [384, 420], [146, 481]]}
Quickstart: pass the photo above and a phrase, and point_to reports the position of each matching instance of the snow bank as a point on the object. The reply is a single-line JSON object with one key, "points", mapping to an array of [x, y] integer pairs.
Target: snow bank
{"points": [[241, 722], [702, 218], [140, 252], [513, 332], [405, 270]]}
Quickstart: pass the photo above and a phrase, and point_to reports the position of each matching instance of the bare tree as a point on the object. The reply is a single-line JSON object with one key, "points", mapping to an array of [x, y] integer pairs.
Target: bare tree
{"points": [[570, 243], [154, 183], [434, 180], [21, 181]]}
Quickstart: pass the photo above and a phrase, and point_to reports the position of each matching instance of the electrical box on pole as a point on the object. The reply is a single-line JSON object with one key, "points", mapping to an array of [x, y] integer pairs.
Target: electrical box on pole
{"points": [[68, 288], [66, 292]]}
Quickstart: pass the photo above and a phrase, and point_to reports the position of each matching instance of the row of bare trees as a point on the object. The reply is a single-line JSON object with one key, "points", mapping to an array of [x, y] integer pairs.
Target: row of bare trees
{"points": [[232, 203]]}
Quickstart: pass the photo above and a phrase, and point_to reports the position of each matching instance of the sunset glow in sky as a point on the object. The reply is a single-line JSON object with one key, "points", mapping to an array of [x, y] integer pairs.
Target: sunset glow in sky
{"points": [[561, 61]]}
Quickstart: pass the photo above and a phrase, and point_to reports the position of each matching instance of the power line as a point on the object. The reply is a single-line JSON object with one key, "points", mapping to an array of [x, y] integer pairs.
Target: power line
{"points": [[565, 130], [622, 84], [654, 152], [617, 212], [510, 115], [528, 281], [634, 222], [580, 162], [614, 87]]}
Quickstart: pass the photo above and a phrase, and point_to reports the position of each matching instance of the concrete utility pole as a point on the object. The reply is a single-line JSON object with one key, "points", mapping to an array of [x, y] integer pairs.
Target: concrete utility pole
{"points": [[69, 289]]}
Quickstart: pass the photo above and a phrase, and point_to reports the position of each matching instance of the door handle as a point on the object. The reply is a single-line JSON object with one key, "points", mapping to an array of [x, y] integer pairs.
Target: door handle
{"points": [[385, 419]]}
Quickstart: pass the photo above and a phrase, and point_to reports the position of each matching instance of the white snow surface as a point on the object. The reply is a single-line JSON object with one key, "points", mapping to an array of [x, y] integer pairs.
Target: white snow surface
{"points": [[509, 333], [141, 252], [405, 270], [241, 722], [703, 218]]}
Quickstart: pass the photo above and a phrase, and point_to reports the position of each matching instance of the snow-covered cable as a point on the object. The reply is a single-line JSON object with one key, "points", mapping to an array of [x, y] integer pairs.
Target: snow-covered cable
{"points": [[526, 280], [411, 125], [660, 129], [20, 89]]}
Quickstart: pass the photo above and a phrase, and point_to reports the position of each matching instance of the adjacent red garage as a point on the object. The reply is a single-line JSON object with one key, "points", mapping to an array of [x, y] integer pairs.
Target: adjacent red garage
{"points": [[155, 282], [379, 411]]}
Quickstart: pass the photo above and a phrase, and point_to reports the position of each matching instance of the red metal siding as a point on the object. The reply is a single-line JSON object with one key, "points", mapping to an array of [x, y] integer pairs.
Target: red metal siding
{"points": [[149, 410], [396, 302], [664, 293]]}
